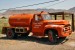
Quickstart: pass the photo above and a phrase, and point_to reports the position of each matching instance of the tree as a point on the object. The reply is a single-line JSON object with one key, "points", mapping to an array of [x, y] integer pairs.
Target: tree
{"points": [[3, 17]]}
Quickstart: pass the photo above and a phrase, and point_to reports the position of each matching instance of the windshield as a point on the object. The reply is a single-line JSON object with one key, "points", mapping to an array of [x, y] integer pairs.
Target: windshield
{"points": [[46, 17]]}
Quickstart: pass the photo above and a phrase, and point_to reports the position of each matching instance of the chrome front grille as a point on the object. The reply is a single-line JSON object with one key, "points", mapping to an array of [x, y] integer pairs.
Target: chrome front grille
{"points": [[66, 28]]}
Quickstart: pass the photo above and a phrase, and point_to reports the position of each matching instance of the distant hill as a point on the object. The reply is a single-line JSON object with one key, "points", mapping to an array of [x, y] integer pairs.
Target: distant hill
{"points": [[19, 11], [72, 9], [10, 12]]}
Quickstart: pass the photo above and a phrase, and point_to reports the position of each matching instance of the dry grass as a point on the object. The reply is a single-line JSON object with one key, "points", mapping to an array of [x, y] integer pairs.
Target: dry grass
{"points": [[3, 22]]}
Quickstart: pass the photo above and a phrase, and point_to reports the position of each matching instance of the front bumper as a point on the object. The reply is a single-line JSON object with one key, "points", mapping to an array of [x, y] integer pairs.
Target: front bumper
{"points": [[66, 33]]}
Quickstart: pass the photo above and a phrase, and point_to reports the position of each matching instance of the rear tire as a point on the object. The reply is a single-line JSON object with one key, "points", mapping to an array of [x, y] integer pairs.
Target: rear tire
{"points": [[11, 34], [52, 36]]}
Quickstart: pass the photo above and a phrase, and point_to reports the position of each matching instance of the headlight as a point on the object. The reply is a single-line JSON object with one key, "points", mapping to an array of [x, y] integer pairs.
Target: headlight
{"points": [[64, 29]]}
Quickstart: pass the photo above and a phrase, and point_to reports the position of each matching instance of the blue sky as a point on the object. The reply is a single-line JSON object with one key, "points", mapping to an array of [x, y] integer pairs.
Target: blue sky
{"points": [[6, 4]]}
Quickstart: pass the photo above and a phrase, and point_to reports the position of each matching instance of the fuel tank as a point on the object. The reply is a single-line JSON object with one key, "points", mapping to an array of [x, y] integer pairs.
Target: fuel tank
{"points": [[20, 20]]}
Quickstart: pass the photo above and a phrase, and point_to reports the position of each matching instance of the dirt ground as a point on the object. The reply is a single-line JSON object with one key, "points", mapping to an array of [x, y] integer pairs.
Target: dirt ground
{"points": [[32, 43]]}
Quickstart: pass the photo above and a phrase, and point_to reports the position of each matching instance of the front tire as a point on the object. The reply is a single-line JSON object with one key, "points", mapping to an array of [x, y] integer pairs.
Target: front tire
{"points": [[52, 36]]}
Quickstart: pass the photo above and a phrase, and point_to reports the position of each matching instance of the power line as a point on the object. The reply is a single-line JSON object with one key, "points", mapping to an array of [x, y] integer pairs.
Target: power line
{"points": [[54, 4], [30, 5]]}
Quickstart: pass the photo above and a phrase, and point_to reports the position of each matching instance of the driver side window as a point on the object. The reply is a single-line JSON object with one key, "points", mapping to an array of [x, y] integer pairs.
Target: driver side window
{"points": [[36, 18]]}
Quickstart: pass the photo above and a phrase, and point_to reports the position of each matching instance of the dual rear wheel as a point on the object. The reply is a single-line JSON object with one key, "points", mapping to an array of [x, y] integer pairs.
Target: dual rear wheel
{"points": [[12, 35]]}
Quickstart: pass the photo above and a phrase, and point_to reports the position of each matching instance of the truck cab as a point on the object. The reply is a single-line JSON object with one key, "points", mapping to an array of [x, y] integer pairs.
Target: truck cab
{"points": [[43, 24]]}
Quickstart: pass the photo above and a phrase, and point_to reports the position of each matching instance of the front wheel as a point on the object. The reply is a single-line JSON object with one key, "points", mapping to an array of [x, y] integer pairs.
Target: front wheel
{"points": [[52, 36]]}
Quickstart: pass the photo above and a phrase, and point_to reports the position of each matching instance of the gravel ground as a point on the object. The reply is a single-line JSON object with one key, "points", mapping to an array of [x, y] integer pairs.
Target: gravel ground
{"points": [[32, 43]]}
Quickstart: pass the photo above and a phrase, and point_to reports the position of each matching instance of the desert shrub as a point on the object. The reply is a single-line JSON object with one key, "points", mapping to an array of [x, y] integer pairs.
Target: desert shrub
{"points": [[3, 17]]}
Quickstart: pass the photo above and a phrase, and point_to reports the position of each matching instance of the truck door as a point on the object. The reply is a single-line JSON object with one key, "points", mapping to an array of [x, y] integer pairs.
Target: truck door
{"points": [[37, 26]]}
